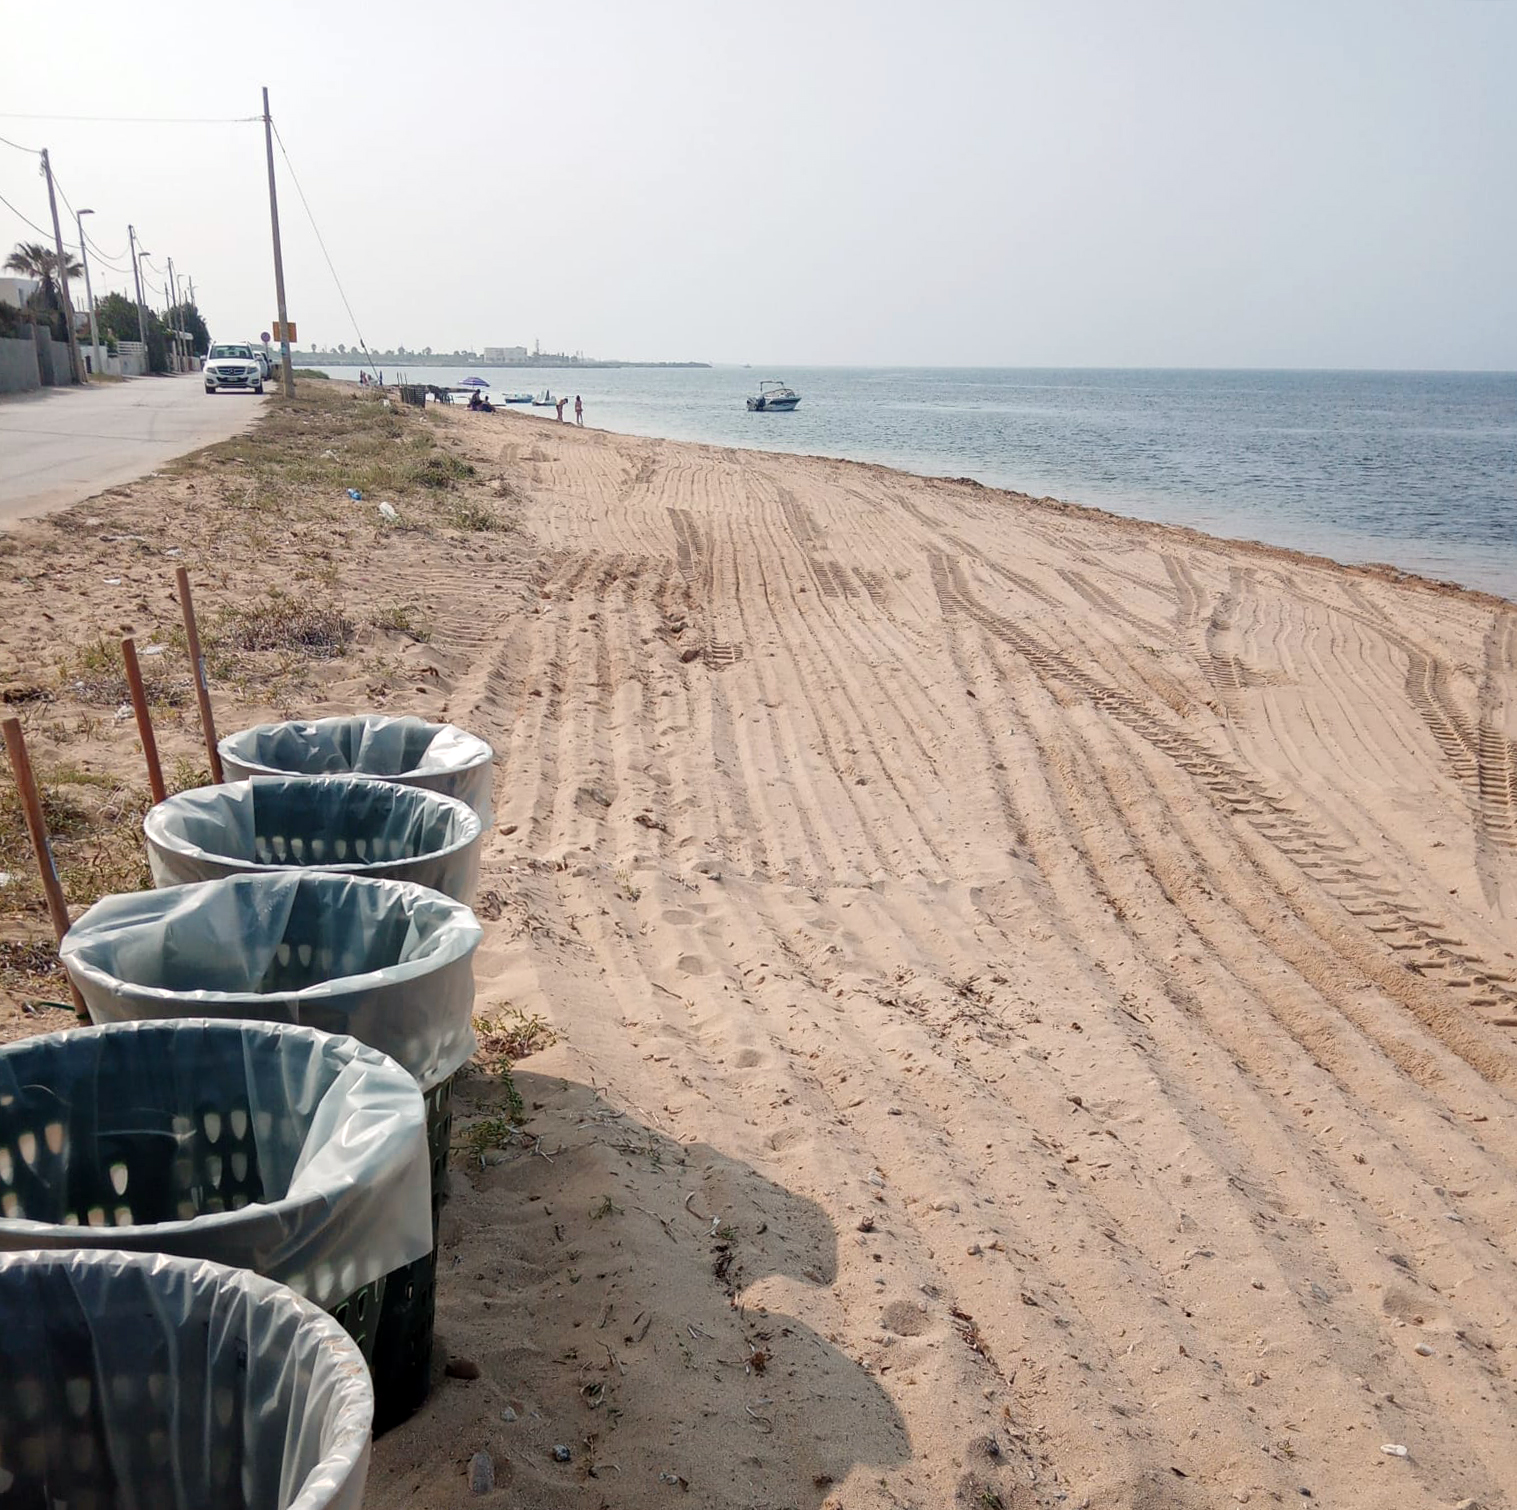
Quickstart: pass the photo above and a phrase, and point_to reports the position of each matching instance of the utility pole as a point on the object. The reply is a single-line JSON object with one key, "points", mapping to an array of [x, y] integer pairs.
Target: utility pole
{"points": [[287, 373], [89, 293], [75, 356], [184, 356], [189, 284], [131, 236]]}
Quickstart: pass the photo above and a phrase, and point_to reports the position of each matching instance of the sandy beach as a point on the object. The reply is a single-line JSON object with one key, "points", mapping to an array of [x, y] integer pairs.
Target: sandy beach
{"points": [[1028, 1004]]}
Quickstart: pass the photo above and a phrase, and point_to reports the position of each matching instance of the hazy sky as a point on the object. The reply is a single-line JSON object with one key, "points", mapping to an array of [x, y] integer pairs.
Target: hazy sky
{"points": [[953, 182]]}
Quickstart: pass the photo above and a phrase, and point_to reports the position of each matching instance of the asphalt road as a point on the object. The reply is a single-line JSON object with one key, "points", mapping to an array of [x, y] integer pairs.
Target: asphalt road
{"points": [[62, 445]]}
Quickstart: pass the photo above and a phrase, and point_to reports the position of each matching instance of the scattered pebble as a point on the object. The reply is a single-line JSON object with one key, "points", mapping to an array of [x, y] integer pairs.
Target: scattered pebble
{"points": [[1423, 1350], [974, 1250], [508, 1414], [481, 1473], [462, 1368], [1393, 1449], [561, 1454]]}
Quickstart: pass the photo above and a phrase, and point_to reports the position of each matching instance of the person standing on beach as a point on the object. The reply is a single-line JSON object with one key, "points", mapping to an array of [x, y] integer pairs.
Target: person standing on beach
{"points": [[561, 403], [579, 411]]}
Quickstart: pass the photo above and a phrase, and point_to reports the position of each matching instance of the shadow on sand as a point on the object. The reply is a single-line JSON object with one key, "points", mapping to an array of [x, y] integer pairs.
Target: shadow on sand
{"points": [[626, 1297]]}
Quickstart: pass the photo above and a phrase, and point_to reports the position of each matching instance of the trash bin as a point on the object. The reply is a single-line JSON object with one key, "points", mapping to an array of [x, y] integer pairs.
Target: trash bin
{"points": [[387, 961], [352, 825], [293, 1153], [130, 1380], [440, 757]]}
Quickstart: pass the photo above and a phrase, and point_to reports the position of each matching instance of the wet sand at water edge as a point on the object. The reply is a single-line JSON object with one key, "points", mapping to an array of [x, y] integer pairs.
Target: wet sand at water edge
{"points": [[1032, 995]]}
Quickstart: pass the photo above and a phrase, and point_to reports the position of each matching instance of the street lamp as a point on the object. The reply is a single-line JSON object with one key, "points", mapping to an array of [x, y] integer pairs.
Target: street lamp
{"points": [[84, 257]]}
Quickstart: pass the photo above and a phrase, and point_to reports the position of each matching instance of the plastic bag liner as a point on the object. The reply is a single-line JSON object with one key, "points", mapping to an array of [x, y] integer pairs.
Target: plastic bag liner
{"points": [[294, 1153], [138, 1381], [389, 962], [440, 757], [349, 824]]}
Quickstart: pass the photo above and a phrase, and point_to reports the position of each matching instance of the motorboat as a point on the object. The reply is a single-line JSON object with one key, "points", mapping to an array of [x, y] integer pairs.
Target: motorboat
{"points": [[544, 400], [774, 396], [514, 398]]}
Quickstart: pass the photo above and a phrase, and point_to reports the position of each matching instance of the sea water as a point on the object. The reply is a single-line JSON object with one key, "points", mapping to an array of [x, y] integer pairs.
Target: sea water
{"points": [[1415, 469]]}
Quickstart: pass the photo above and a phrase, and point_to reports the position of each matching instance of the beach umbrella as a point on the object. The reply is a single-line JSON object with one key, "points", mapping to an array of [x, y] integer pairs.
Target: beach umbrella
{"points": [[474, 382]]}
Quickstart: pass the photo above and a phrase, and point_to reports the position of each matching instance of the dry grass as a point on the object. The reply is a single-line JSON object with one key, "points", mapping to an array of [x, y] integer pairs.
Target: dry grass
{"points": [[512, 1035], [478, 515], [95, 826], [281, 622], [402, 618], [95, 674]]}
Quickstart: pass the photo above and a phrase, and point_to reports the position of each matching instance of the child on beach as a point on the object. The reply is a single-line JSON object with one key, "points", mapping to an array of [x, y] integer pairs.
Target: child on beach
{"points": [[579, 411]]}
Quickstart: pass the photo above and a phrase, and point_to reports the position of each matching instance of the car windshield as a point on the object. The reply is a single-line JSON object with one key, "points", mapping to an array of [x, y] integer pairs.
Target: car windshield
{"points": [[231, 351]]}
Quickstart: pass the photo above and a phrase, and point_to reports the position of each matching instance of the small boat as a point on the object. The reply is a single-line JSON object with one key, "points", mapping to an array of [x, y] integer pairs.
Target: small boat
{"points": [[773, 396], [544, 400], [514, 398]]}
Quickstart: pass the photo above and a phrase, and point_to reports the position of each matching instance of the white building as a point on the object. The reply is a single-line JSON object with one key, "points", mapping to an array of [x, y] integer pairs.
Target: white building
{"points": [[505, 353], [17, 291]]}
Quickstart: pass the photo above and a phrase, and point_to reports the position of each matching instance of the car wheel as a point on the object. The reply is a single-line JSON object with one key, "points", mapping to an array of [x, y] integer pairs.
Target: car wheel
{"points": [[210, 388], [257, 387]]}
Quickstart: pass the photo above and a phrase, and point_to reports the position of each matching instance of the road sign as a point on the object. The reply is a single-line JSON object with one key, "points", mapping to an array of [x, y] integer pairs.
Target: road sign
{"points": [[265, 338], [284, 332]]}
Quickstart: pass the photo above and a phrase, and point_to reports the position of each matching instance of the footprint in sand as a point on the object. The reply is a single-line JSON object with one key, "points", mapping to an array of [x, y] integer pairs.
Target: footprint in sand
{"points": [[905, 1319]]}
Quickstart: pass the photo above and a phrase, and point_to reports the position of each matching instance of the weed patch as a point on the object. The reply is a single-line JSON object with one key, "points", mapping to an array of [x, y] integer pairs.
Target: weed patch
{"points": [[478, 516], [95, 674], [513, 1035], [402, 618], [94, 824]]}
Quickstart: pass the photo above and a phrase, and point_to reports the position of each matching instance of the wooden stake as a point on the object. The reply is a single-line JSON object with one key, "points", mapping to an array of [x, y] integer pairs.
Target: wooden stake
{"points": [[197, 665], [31, 806], [144, 719]]}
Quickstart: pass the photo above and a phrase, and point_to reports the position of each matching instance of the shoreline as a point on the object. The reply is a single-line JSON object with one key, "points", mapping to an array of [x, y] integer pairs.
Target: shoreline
{"points": [[1004, 999], [1379, 570]]}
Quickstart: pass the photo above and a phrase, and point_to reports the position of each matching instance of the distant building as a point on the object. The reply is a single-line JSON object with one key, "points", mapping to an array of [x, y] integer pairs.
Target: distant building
{"points": [[505, 353], [17, 291]]}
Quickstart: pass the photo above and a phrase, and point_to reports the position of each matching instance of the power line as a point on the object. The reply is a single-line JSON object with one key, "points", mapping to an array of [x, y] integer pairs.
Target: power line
{"points": [[6, 141], [305, 204], [106, 258], [19, 216], [137, 120]]}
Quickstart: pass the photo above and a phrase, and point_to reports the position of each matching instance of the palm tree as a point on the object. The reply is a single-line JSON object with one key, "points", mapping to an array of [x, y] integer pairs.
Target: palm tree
{"points": [[33, 260]]}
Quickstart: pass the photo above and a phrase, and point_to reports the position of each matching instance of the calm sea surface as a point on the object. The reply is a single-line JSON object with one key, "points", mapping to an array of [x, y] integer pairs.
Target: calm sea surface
{"points": [[1418, 469]]}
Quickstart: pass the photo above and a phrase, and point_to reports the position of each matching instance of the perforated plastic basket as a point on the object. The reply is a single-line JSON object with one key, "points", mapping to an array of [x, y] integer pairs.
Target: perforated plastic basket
{"points": [[130, 1381], [348, 825], [441, 757], [293, 1153], [387, 961]]}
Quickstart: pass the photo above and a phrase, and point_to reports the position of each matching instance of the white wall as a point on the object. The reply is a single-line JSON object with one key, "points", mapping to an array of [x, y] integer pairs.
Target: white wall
{"points": [[17, 290]]}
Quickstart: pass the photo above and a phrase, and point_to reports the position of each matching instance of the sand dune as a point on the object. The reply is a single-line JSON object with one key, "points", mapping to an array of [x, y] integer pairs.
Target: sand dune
{"points": [[1069, 961]]}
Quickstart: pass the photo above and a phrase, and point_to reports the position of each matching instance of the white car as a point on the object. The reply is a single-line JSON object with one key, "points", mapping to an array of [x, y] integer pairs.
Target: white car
{"points": [[232, 366]]}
